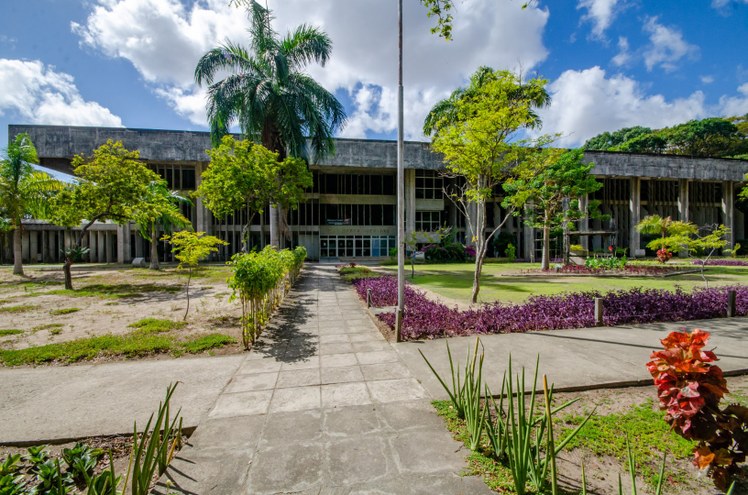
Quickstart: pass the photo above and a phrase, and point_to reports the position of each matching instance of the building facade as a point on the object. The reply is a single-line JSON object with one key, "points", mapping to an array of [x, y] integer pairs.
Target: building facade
{"points": [[350, 212]]}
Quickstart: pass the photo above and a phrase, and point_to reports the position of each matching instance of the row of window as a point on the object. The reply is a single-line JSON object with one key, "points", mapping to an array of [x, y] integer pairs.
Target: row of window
{"points": [[375, 184], [336, 246]]}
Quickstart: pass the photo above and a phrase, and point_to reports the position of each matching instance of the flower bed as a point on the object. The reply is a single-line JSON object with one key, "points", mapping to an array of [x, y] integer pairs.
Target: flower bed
{"points": [[425, 318], [730, 262], [628, 270]]}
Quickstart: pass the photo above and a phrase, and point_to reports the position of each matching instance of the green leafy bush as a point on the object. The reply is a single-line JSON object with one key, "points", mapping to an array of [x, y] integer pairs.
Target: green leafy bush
{"points": [[260, 280]]}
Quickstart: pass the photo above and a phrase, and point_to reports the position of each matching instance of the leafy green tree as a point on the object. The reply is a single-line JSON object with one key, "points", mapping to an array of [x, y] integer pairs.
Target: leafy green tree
{"points": [[672, 234], [23, 191], [190, 248], [712, 137], [111, 185], [607, 140], [242, 175], [473, 130], [549, 186], [161, 211]]}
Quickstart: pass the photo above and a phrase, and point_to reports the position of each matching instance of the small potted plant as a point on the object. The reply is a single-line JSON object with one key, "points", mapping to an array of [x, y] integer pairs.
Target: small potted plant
{"points": [[577, 250]]}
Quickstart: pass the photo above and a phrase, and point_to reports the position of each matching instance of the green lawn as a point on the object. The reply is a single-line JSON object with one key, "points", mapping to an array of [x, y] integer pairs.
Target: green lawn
{"points": [[515, 282]]}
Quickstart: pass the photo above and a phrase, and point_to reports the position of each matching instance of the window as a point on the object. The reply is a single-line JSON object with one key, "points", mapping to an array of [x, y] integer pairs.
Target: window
{"points": [[429, 185], [428, 221]]}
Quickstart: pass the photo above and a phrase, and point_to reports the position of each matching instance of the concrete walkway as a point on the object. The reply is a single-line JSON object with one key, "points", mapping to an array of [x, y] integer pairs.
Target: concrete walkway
{"points": [[574, 359], [56, 403], [323, 406]]}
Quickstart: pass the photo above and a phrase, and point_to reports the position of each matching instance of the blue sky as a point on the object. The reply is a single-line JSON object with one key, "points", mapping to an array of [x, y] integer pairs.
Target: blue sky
{"points": [[609, 63]]}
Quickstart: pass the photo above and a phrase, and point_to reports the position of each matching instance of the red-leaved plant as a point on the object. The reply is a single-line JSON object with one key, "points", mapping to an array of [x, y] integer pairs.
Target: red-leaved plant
{"points": [[690, 390], [664, 255]]}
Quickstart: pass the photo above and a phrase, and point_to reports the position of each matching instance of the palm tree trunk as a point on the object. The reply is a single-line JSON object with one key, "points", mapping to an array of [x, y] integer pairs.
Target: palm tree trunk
{"points": [[17, 251], [154, 248]]}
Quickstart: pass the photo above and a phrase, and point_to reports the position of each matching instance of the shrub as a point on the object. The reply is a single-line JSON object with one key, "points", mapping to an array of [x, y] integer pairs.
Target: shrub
{"points": [[260, 281], [690, 389], [425, 318], [510, 252]]}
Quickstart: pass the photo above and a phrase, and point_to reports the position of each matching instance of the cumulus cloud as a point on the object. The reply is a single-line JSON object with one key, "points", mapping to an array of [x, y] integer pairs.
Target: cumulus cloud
{"points": [[667, 46], [588, 102], [38, 94], [723, 5], [735, 105], [600, 13], [164, 39]]}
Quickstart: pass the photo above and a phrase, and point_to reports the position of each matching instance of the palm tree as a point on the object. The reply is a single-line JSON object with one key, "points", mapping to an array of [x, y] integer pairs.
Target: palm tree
{"points": [[23, 191], [267, 93], [160, 211]]}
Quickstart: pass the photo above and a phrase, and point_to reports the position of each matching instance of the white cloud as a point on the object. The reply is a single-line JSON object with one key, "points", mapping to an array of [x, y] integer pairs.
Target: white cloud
{"points": [[38, 94], [164, 39], [667, 46], [623, 57], [600, 13], [588, 102], [735, 105], [722, 5], [707, 79]]}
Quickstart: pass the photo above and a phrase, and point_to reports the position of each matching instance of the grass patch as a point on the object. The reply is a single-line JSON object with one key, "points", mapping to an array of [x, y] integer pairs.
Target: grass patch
{"points": [[149, 326], [64, 311], [494, 474], [207, 342], [4, 332], [352, 273], [55, 331], [20, 308], [110, 291], [47, 326], [515, 282], [650, 437], [129, 346]]}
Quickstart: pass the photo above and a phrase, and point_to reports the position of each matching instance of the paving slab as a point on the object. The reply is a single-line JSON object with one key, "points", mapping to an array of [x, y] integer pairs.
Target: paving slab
{"points": [[56, 403], [573, 359], [344, 415]]}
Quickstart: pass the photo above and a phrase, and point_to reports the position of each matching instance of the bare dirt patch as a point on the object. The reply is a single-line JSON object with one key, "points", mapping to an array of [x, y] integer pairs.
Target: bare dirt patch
{"points": [[107, 300]]}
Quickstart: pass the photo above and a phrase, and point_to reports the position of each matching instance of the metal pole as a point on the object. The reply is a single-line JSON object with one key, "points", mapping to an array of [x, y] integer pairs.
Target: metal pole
{"points": [[400, 181]]}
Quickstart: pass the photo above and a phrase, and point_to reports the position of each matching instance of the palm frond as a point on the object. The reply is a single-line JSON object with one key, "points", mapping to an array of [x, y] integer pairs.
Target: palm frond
{"points": [[306, 44]]}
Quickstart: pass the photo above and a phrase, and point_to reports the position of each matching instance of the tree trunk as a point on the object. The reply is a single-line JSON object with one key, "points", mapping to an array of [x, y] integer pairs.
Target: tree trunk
{"points": [[67, 270], [154, 248], [17, 250], [480, 247], [476, 277], [189, 277], [545, 263]]}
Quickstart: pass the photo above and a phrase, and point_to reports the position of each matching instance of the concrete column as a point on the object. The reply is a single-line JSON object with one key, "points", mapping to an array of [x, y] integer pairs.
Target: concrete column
{"points": [[635, 202], [45, 246], [93, 251], [202, 215], [683, 200], [33, 246], [107, 247], [410, 201], [101, 246], [728, 211], [274, 231], [120, 244], [584, 222]]}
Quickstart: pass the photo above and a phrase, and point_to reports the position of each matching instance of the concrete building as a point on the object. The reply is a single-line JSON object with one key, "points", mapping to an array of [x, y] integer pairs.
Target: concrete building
{"points": [[350, 210]]}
